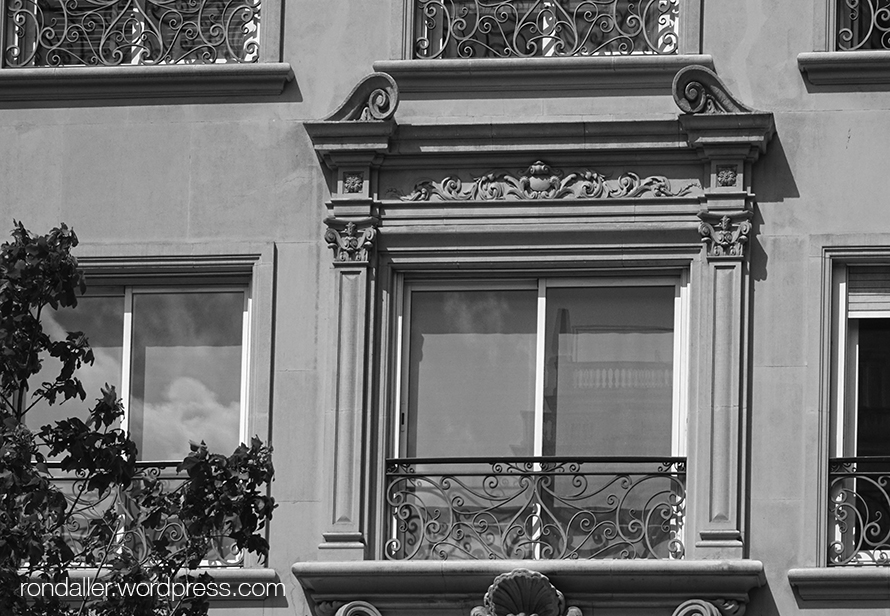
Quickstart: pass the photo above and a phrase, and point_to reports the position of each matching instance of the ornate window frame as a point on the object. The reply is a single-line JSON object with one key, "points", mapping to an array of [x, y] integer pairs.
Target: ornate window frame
{"points": [[627, 195]]}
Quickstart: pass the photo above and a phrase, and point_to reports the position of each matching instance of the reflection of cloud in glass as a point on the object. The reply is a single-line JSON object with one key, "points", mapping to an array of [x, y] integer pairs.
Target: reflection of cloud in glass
{"points": [[191, 411]]}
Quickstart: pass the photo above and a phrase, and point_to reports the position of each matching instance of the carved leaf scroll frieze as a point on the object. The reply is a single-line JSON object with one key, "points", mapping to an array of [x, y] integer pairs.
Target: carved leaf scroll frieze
{"points": [[541, 181]]}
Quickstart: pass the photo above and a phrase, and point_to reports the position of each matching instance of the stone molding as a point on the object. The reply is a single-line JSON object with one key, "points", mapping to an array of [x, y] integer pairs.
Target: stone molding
{"points": [[841, 584], [726, 235], [374, 99], [351, 240], [203, 81], [698, 89], [523, 592], [539, 76], [824, 68], [540, 181]]}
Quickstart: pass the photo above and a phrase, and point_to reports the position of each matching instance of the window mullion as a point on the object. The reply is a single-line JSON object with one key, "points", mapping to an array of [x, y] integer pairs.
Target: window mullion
{"points": [[538, 447], [126, 357]]}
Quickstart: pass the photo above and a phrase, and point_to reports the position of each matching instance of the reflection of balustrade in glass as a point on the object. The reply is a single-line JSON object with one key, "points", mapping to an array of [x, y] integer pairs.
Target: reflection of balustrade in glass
{"points": [[526, 28], [125, 32], [535, 508], [859, 511], [862, 24]]}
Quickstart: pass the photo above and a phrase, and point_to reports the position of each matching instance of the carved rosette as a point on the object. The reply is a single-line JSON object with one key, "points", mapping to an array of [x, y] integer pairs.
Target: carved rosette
{"points": [[351, 241], [698, 89], [522, 592], [725, 235], [717, 607], [540, 181]]}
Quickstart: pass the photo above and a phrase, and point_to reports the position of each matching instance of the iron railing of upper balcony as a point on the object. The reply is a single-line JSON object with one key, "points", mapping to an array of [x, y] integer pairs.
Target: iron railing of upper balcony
{"points": [[859, 511], [862, 25], [129, 32], [535, 508], [97, 516], [527, 28]]}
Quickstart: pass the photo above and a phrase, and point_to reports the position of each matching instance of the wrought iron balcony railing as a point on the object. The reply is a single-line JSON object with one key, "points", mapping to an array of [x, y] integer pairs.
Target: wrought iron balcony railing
{"points": [[122, 32], [526, 28], [859, 511], [95, 516], [862, 24], [535, 508]]}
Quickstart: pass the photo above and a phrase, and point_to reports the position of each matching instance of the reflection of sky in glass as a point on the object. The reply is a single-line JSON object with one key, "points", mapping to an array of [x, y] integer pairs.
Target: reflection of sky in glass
{"points": [[471, 373], [186, 372], [101, 319]]}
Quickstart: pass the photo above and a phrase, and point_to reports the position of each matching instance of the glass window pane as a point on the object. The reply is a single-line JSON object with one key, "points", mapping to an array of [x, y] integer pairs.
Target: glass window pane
{"points": [[101, 319], [471, 381], [873, 418], [608, 373], [186, 372]]}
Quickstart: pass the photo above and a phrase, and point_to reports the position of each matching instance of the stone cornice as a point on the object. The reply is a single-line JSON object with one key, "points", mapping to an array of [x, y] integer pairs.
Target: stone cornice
{"points": [[589, 582], [539, 77], [845, 67], [201, 81], [842, 584]]}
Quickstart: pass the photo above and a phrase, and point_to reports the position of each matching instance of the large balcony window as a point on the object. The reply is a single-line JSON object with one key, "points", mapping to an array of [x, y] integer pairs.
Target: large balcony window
{"points": [[540, 419], [527, 28], [129, 32]]}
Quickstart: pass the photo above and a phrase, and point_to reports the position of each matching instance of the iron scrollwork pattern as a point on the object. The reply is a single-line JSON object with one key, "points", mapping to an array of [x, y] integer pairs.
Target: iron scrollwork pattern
{"points": [[126, 32], [526, 28], [116, 508], [859, 511], [540, 181], [863, 24], [536, 508]]}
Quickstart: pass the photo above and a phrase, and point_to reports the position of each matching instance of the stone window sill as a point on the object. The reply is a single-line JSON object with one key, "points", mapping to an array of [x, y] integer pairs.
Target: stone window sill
{"points": [[845, 67], [540, 76], [140, 82], [842, 583]]}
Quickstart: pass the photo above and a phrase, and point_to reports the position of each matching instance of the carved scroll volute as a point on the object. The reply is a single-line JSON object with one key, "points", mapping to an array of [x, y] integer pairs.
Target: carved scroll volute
{"points": [[718, 607], [725, 235], [358, 608], [523, 592], [374, 99], [351, 240], [698, 89]]}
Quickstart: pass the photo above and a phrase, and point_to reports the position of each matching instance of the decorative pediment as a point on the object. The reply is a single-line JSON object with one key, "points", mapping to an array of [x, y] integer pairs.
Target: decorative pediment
{"points": [[541, 181]]}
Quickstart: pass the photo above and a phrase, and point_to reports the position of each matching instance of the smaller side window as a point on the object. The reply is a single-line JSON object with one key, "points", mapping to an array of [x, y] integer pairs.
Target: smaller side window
{"points": [[859, 473]]}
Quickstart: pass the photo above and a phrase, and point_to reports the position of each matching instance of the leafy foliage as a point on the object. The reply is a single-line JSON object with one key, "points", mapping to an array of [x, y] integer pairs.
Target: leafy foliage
{"points": [[140, 527]]}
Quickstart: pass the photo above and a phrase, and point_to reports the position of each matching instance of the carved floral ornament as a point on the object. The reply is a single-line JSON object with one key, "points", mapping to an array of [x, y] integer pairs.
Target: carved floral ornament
{"points": [[540, 181], [698, 89], [351, 241], [374, 99]]}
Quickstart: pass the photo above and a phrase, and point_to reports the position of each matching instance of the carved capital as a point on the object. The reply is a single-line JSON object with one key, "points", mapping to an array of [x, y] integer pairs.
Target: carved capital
{"points": [[358, 608], [351, 240], [716, 607], [522, 592], [698, 89], [725, 235], [374, 99]]}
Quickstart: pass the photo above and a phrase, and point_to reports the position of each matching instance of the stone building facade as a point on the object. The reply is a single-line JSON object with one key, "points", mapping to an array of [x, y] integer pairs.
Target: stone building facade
{"points": [[546, 306]]}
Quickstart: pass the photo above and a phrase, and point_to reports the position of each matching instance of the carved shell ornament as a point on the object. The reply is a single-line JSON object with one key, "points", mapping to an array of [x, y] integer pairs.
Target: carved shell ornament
{"points": [[523, 593], [698, 89], [541, 181]]}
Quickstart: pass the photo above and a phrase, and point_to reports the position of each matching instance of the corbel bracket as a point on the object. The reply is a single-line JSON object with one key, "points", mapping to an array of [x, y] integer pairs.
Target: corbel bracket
{"points": [[523, 592]]}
